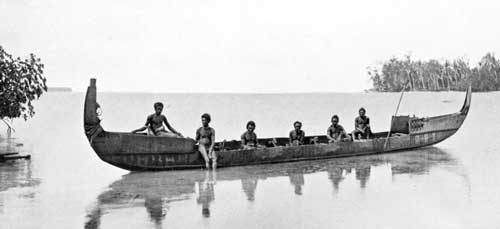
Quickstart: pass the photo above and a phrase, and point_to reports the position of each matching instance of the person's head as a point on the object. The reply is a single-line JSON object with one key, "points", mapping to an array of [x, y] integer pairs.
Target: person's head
{"points": [[205, 119], [250, 126], [297, 125], [362, 111], [335, 119], [158, 107]]}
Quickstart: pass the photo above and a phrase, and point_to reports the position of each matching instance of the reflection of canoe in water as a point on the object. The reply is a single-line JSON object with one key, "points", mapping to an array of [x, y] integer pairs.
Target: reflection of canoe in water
{"points": [[178, 185], [141, 152], [157, 191]]}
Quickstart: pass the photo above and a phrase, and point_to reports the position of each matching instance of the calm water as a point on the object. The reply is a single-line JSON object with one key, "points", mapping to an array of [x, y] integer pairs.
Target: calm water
{"points": [[65, 185]]}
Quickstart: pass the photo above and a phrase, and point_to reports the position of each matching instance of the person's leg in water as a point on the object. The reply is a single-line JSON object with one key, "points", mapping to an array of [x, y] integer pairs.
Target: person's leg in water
{"points": [[203, 150], [212, 155]]}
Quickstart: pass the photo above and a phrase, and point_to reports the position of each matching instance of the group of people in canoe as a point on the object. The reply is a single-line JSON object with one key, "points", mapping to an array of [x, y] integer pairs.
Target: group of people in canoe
{"points": [[205, 135]]}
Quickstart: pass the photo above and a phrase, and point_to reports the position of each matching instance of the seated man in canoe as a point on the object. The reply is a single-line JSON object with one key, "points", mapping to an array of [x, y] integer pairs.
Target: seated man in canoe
{"points": [[249, 138], [336, 132], [205, 137], [362, 126], [154, 124], [297, 135]]}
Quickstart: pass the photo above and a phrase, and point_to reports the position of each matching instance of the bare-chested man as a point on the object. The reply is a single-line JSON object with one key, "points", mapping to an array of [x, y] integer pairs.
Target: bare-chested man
{"points": [[205, 136], [336, 132], [154, 124], [249, 138], [362, 128], [297, 135]]}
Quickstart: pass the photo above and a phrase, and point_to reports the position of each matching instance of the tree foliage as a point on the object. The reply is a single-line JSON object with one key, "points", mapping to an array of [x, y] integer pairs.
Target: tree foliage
{"points": [[21, 82], [434, 75]]}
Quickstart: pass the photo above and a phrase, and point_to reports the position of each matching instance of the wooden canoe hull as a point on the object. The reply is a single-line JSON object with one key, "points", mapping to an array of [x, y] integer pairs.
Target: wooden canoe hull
{"points": [[131, 144], [139, 152], [165, 161]]}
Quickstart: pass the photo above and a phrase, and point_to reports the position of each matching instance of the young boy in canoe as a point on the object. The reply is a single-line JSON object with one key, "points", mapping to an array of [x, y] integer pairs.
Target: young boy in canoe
{"points": [[362, 125], [297, 135], [205, 137], [154, 124], [336, 132], [249, 138]]}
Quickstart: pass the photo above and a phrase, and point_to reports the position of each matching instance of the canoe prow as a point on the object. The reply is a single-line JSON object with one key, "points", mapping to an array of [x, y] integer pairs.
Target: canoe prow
{"points": [[466, 106], [138, 149], [91, 122]]}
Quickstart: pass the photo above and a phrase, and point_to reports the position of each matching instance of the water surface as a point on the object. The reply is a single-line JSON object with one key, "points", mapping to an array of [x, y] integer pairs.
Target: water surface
{"points": [[65, 185]]}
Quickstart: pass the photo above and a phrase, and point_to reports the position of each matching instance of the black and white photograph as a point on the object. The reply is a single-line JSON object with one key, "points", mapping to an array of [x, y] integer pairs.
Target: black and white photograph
{"points": [[249, 114]]}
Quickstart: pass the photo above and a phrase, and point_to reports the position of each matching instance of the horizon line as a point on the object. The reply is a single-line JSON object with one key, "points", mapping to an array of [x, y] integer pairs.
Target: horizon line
{"points": [[154, 92]]}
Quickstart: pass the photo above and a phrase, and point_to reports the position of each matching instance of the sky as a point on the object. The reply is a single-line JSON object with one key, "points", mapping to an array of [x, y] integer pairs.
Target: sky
{"points": [[240, 46]]}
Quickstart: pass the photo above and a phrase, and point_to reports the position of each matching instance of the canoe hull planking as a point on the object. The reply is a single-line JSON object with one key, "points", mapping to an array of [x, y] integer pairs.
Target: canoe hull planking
{"points": [[167, 161]]}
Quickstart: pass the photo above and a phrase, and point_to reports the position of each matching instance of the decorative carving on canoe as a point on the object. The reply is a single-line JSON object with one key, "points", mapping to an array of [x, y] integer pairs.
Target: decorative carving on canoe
{"points": [[93, 131], [416, 124]]}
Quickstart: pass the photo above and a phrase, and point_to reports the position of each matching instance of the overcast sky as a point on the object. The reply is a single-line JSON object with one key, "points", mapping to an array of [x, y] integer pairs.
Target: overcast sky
{"points": [[239, 45]]}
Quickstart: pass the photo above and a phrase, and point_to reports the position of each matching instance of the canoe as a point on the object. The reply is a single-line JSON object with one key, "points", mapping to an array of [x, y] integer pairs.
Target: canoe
{"points": [[138, 152]]}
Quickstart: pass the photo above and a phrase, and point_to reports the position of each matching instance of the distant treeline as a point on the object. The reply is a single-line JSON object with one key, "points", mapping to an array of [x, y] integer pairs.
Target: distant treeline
{"points": [[434, 75], [59, 89]]}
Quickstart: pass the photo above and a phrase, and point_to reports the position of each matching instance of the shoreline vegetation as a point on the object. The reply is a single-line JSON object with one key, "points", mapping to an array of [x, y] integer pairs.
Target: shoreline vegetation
{"points": [[21, 82], [433, 75]]}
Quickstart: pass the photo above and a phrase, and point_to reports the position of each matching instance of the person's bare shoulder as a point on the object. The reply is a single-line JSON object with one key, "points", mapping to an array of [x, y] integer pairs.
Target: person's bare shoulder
{"points": [[150, 117]]}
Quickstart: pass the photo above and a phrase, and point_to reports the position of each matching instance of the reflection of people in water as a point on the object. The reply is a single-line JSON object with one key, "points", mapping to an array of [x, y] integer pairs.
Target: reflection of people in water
{"points": [[249, 185], [297, 179], [206, 193], [155, 209], [335, 175], [362, 174], [181, 185]]}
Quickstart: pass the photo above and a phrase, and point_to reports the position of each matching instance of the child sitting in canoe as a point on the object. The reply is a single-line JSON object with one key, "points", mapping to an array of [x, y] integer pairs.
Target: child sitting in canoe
{"points": [[361, 126], [154, 124], [249, 138], [205, 137], [336, 132]]}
